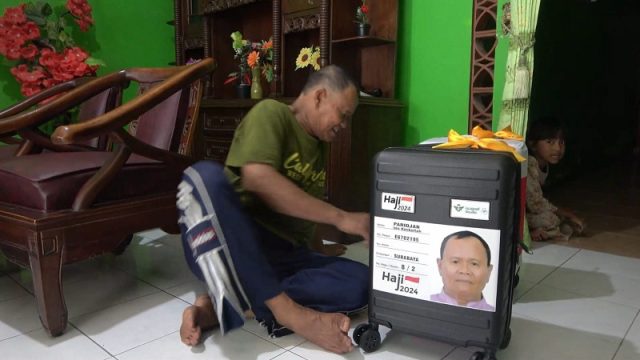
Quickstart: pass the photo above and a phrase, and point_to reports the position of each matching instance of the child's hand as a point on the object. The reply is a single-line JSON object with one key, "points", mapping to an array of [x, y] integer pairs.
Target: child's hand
{"points": [[539, 235], [577, 224]]}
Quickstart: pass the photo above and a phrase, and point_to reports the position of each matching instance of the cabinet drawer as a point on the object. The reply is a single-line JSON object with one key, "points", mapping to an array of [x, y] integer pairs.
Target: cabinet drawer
{"points": [[216, 149], [222, 120], [291, 6]]}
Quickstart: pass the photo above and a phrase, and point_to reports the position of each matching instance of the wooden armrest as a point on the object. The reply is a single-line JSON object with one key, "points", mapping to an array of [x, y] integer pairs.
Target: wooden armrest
{"points": [[180, 78], [63, 103], [41, 96]]}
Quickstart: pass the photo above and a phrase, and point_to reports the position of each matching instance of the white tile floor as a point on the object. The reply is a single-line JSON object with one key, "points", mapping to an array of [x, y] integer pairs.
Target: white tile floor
{"points": [[571, 304]]}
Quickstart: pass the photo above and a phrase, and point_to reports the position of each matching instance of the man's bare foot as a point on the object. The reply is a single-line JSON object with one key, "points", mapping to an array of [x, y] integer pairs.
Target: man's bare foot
{"points": [[327, 330], [197, 318]]}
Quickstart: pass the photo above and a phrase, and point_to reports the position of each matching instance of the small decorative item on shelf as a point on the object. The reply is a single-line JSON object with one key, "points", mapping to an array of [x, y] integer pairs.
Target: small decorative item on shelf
{"points": [[362, 19], [254, 56], [308, 56]]}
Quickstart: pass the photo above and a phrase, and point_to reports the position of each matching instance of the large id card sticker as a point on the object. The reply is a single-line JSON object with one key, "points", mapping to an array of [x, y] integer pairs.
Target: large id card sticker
{"points": [[448, 264]]}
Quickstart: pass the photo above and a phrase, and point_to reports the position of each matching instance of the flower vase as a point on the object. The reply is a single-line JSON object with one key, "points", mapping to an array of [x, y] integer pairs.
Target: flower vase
{"points": [[243, 91], [256, 87], [363, 29]]}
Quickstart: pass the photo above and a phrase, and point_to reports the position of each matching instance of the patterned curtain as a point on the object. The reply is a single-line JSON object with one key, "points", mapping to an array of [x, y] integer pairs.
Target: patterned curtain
{"points": [[520, 29]]}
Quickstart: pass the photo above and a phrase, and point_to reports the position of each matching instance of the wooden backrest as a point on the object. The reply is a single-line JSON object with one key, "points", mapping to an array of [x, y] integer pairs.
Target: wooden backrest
{"points": [[170, 124]]}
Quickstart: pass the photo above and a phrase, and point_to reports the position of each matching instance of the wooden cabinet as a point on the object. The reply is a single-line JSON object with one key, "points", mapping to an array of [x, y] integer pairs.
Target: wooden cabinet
{"points": [[189, 30], [378, 122]]}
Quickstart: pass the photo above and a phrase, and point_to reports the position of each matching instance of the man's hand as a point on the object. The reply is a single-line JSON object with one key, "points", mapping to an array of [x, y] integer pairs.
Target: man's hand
{"points": [[355, 224], [285, 197]]}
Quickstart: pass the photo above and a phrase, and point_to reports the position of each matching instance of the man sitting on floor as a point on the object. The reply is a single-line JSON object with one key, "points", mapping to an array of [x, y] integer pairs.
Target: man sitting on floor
{"points": [[246, 227]]}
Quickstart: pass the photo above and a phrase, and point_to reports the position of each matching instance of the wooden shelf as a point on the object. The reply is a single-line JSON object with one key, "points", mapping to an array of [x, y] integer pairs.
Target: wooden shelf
{"points": [[362, 41], [378, 123]]}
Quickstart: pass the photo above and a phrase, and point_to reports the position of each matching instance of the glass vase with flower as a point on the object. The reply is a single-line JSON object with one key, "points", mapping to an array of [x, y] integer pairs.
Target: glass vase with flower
{"points": [[362, 19], [255, 62]]}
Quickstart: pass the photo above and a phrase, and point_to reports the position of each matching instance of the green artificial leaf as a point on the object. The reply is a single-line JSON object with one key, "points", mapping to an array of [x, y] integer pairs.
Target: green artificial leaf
{"points": [[93, 61], [45, 9], [63, 36], [236, 36], [268, 73]]}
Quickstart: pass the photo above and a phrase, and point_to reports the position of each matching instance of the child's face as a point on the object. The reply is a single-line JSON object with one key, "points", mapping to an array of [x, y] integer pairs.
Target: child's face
{"points": [[549, 151]]}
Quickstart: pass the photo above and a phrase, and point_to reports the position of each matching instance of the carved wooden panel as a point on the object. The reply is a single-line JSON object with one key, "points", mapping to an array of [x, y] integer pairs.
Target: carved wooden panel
{"points": [[483, 54], [301, 23], [211, 6]]}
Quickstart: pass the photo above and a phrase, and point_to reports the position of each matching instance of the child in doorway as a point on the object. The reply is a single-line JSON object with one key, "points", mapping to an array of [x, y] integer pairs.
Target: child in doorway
{"points": [[545, 141]]}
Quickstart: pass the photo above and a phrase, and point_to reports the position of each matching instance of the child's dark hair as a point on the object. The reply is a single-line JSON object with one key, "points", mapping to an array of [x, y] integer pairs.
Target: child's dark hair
{"points": [[545, 128]]}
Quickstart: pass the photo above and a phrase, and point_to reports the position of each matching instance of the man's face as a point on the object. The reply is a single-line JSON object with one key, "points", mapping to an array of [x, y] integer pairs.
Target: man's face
{"points": [[464, 269], [333, 111]]}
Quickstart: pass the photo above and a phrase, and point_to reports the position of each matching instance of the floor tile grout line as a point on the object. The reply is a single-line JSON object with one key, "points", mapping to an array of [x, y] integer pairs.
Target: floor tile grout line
{"points": [[21, 334], [549, 274], [91, 339], [637, 317], [146, 342], [120, 303], [451, 351]]}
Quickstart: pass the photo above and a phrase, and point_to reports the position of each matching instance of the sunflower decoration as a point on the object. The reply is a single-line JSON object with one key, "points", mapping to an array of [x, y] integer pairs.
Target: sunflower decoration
{"points": [[308, 56]]}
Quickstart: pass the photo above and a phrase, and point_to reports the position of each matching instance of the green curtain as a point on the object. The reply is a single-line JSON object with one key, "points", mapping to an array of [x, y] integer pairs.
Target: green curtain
{"points": [[516, 95]]}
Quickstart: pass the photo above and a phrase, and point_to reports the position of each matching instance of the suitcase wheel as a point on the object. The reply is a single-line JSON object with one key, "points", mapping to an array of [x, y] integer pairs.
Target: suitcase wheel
{"points": [[480, 355], [359, 330], [370, 340], [367, 337]]}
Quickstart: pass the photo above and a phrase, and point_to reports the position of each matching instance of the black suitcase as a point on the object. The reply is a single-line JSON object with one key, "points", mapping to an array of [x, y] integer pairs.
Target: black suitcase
{"points": [[460, 290]]}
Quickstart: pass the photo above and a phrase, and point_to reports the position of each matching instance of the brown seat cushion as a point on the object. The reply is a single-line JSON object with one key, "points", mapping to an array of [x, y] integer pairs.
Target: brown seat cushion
{"points": [[50, 181], [7, 151]]}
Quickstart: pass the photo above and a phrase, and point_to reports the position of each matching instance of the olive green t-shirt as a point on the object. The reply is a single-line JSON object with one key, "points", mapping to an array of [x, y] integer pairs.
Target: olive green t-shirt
{"points": [[270, 134]]}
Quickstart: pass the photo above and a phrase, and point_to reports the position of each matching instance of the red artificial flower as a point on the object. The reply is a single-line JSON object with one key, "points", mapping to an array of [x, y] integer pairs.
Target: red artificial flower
{"points": [[48, 58], [13, 52], [81, 10], [23, 75], [28, 89], [29, 52], [42, 66], [364, 9], [15, 15], [31, 30], [17, 35]]}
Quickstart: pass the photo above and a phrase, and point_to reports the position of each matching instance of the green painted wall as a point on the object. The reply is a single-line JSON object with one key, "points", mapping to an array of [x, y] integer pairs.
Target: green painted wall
{"points": [[433, 66], [433, 55], [126, 33]]}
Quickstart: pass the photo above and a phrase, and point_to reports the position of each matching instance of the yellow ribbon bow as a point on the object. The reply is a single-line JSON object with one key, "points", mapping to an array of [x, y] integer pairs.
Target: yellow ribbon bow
{"points": [[483, 139]]}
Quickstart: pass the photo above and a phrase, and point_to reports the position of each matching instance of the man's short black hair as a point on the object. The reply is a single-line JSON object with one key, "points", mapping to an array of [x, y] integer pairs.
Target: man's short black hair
{"points": [[464, 234], [333, 76]]}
